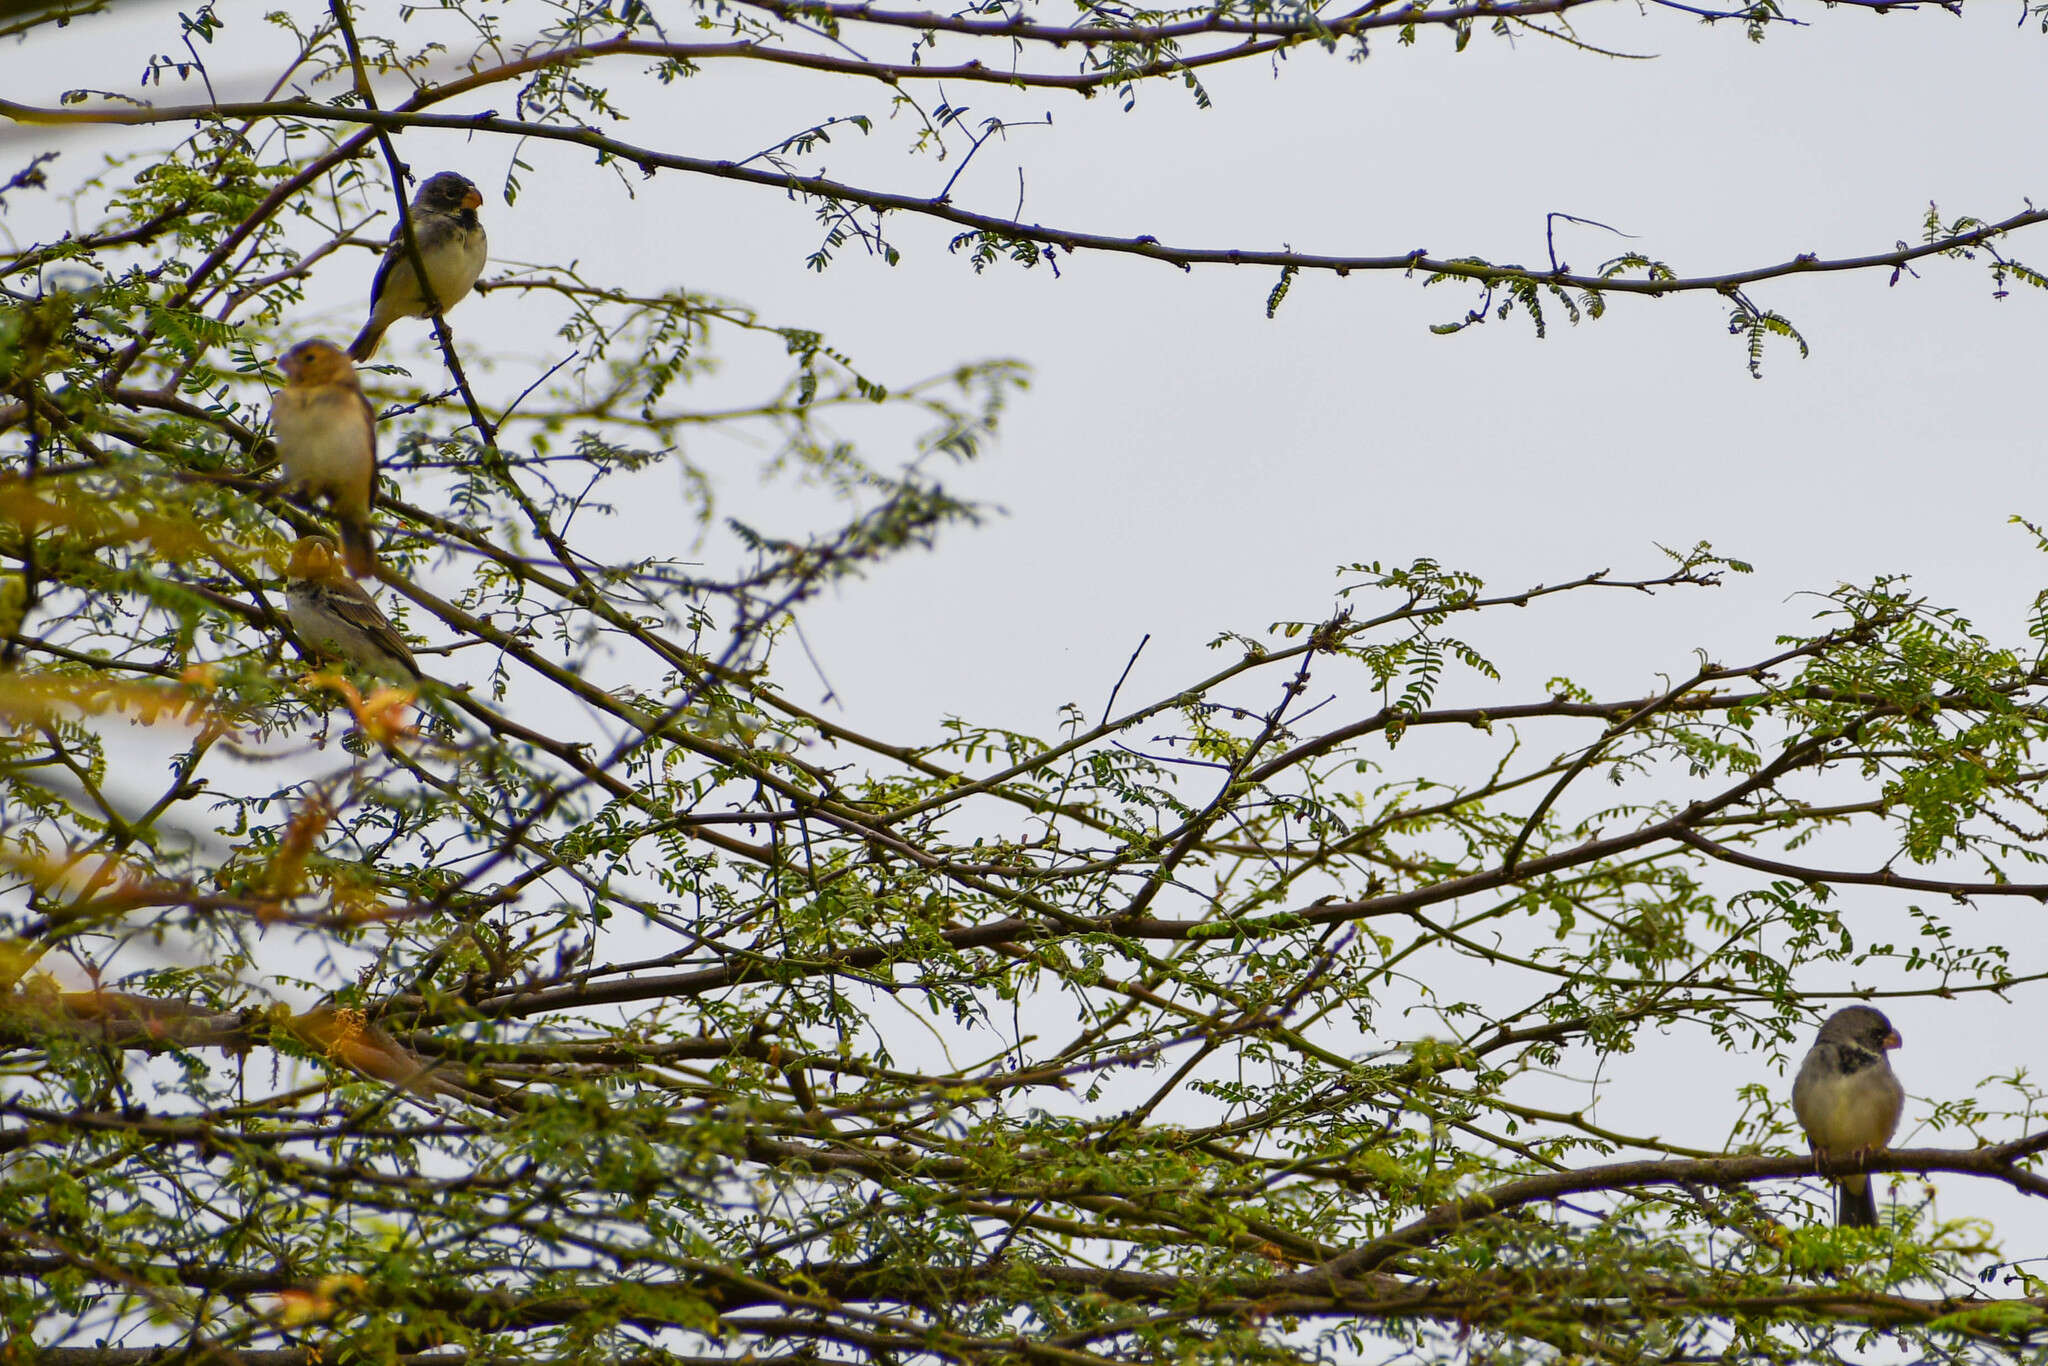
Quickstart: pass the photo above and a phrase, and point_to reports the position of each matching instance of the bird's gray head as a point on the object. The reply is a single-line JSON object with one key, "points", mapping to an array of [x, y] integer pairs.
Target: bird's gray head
{"points": [[1859, 1026], [447, 192]]}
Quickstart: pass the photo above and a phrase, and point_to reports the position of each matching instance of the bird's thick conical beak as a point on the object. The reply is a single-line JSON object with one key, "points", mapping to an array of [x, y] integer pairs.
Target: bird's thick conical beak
{"points": [[312, 558], [1892, 1040]]}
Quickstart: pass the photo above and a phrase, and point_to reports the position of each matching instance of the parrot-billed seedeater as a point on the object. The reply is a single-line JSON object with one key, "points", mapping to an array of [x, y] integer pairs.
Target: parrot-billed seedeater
{"points": [[452, 248], [1848, 1100]]}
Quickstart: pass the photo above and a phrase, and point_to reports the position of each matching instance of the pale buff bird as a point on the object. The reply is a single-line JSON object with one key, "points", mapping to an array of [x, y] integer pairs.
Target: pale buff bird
{"points": [[452, 248], [326, 434], [346, 1036], [334, 616], [1848, 1100]]}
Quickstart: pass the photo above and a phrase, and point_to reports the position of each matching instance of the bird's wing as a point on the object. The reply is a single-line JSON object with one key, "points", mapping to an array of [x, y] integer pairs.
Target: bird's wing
{"points": [[392, 252], [355, 608], [370, 424], [430, 228]]}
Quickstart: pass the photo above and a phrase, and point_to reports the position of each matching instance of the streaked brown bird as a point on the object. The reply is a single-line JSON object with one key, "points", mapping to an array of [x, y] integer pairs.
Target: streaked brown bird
{"points": [[336, 618], [326, 435], [452, 248]]}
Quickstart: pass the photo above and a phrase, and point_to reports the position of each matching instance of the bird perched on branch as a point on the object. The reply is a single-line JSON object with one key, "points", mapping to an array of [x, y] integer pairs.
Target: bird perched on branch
{"points": [[452, 248], [346, 1036], [1848, 1101], [335, 617], [326, 435]]}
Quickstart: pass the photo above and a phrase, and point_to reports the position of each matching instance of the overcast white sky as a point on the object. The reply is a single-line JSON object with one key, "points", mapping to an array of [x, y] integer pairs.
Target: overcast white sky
{"points": [[1183, 465]]}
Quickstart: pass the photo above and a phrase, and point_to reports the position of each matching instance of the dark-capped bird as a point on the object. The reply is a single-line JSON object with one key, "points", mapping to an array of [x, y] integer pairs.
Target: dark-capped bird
{"points": [[452, 247], [1848, 1100]]}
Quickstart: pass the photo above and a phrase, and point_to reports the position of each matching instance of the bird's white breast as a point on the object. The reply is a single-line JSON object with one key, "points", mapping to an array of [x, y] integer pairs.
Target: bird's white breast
{"points": [[1843, 1112], [453, 267], [319, 629]]}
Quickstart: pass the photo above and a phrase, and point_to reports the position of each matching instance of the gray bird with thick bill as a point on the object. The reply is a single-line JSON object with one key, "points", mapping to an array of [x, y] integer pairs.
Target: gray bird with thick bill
{"points": [[452, 248], [1848, 1100]]}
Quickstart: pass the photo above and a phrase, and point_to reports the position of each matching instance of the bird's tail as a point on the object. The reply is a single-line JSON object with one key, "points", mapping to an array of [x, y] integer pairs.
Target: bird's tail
{"points": [[1858, 1204], [366, 342], [358, 546]]}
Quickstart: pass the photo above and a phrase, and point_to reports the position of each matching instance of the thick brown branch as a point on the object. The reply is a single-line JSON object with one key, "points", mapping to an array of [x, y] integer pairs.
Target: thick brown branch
{"points": [[1998, 1163], [1883, 877]]}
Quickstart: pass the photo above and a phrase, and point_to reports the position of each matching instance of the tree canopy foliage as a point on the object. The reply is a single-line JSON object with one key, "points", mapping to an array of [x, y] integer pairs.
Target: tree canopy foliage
{"points": [[598, 1000]]}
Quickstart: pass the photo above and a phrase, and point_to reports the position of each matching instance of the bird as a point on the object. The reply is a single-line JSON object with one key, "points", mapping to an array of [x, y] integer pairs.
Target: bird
{"points": [[1848, 1101], [452, 248], [349, 1037], [336, 618], [326, 434]]}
